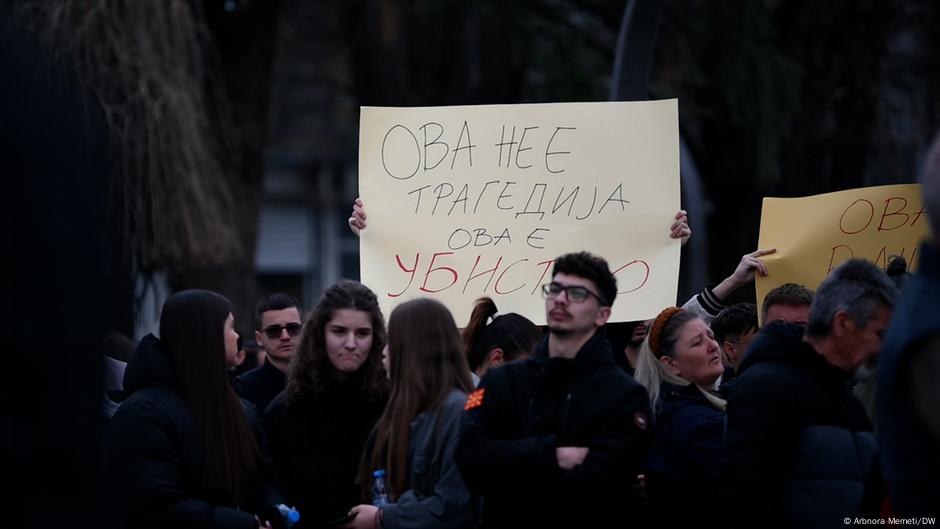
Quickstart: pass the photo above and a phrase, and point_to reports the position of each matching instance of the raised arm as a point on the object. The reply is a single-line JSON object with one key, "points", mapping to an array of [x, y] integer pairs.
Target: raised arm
{"points": [[710, 301]]}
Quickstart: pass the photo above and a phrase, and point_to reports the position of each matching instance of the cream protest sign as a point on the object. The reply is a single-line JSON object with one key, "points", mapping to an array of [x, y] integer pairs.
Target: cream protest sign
{"points": [[815, 234], [471, 201]]}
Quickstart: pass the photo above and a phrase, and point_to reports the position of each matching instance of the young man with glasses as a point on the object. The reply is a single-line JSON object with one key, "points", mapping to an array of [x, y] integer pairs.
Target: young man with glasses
{"points": [[279, 322], [557, 440]]}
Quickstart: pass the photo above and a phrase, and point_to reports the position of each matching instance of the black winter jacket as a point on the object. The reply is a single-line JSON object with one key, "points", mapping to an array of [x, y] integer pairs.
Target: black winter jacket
{"points": [[525, 410], [800, 451], [317, 447], [684, 459], [911, 453], [155, 458], [260, 385]]}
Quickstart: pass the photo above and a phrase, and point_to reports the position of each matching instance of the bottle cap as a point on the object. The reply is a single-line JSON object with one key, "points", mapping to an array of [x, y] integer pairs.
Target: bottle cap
{"points": [[293, 516], [380, 473]]}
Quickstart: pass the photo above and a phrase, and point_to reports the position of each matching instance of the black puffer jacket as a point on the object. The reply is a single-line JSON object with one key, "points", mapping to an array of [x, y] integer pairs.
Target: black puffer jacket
{"points": [[154, 465], [523, 411], [317, 447], [800, 451], [685, 455]]}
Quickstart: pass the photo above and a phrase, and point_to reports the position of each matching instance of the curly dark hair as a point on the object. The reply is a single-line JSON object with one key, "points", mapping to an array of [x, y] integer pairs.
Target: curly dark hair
{"points": [[589, 266], [309, 376]]}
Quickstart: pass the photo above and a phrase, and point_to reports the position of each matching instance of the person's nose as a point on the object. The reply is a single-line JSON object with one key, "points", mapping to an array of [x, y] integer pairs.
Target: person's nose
{"points": [[284, 334], [713, 346], [350, 341]]}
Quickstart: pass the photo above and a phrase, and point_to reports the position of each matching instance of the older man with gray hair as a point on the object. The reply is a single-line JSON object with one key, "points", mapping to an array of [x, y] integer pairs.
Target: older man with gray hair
{"points": [[908, 393], [800, 451]]}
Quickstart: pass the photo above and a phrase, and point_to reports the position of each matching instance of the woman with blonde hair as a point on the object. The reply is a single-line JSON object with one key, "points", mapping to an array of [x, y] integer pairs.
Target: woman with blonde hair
{"points": [[680, 365], [415, 438]]}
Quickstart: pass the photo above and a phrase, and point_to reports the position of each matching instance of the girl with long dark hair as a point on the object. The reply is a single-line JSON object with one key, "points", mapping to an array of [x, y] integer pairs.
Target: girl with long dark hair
{"points": [[183, 452], [336, 390], [415, 438]]}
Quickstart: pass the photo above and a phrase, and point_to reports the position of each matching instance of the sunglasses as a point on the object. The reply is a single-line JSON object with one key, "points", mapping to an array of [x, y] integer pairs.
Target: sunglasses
{"points": [[574, 293], [274, 331]]}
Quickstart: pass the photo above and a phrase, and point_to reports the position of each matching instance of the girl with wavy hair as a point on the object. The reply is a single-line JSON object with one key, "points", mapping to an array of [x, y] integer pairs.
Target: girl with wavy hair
{"points": [[336, 390]]}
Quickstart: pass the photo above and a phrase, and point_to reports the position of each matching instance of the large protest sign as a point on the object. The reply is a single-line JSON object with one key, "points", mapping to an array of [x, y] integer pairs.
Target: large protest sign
{"points": [[472, 201], [815, 234]]}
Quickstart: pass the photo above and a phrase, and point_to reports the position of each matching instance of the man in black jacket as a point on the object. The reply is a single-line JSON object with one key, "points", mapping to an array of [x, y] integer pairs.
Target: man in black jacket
{"points": [[800, 451], [908, 392], [279, 322], [557, 440]]}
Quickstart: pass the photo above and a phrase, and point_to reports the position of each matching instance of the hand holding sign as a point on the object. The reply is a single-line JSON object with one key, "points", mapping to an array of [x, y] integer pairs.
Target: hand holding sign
{"points": [[680, 228], [749, 267], [357, 220]]}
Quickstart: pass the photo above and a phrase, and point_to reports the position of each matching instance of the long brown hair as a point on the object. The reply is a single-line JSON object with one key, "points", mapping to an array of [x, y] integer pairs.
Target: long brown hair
{"points": [[309, 375], [191, 335], [426, 363]]}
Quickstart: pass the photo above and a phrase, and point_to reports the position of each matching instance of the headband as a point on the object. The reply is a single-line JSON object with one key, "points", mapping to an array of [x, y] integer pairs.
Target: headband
{"points": [[656, 329]]}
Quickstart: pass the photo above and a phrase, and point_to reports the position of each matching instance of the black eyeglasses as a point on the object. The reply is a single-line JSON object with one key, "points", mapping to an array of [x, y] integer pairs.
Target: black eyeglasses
{"points": [[274, 331], [574, 293]]}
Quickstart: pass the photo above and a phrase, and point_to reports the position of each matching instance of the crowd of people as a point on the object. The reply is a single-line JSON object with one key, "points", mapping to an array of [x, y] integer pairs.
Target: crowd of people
{"points": [[700, 417]]}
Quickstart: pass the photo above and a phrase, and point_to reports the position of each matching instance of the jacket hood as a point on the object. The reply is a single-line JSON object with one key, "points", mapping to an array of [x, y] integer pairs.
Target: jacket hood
{"points": [[148, 367], [781, 342]]}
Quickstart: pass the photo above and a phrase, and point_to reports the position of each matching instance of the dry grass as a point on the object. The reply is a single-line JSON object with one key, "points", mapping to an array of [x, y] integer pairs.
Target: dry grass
{"points": [[149, 64]]}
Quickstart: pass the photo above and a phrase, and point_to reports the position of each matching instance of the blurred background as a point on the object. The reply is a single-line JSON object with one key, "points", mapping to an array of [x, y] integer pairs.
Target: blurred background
{"points": [[230, 126], [154, 145]]}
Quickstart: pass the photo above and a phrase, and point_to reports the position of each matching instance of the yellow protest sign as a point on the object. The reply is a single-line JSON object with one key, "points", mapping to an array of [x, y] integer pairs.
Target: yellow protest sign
{"points": [[471, 201], [815, 234]]}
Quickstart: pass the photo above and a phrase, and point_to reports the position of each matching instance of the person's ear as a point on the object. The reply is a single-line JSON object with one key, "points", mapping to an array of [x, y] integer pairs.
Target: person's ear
{"points": [[602, 316], [670, 365], [728, 348], [840, 323], [495, 357], [258, 339]]}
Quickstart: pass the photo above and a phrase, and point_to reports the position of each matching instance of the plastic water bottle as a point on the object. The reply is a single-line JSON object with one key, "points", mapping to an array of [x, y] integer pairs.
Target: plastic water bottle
{"points": [[379, 489], [289, 514]]}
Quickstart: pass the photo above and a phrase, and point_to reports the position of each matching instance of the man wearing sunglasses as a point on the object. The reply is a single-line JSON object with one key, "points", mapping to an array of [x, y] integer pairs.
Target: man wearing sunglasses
{"points": [[279, 322], [556, 440]]}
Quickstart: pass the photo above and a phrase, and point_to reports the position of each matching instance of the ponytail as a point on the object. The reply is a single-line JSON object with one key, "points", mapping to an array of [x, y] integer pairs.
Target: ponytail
{"points": [[473, 334]]}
